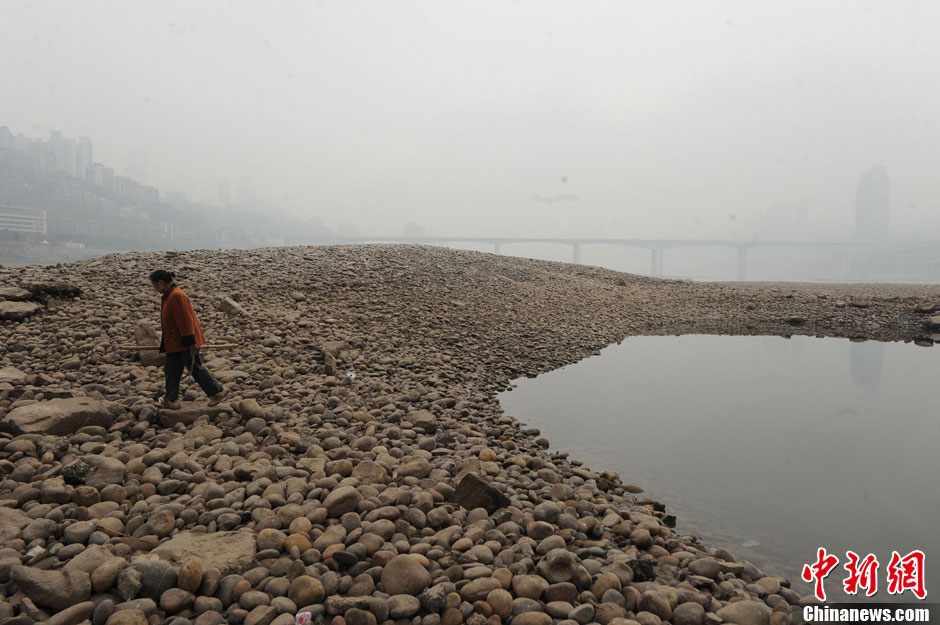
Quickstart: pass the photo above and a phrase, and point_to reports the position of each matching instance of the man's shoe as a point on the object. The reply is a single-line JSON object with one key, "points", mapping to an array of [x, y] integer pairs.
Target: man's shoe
{"points": [[170, 405], [218, 397]]}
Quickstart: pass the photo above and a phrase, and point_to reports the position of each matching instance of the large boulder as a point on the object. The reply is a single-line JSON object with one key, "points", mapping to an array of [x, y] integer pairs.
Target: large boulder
{"points": [[229, 552], [472, 492], [12, 375], [14, 293], [44, 290], [56, 590], [17, 311], [146, 334], [57, 416], [230, 306]]}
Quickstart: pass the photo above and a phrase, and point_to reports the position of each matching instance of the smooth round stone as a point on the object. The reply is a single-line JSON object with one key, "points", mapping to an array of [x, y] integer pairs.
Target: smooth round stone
{"points": [[604, 613], [521, 604], [190, 574], [479, 588], [405, 575], [652, 601], [176, 599], [547, 511], [641, 538], [355, 616], [127, 617], [558, 609], [212, 617], [532, 618], [451, 616], [207, 604], [277, 587], [689, 613], [253, 599], [306, 590], [529, 586], [706, 567], [605, 582], [648, 618], [500, 601], [270, 538], [403, 606], [538, 530], [345, 558], [564, 591], [613, 596], [582, 614], [102, 612]]}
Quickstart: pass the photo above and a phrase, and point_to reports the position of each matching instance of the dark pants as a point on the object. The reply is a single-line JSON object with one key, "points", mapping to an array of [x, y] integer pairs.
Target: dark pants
{"points": [[173, 368]]}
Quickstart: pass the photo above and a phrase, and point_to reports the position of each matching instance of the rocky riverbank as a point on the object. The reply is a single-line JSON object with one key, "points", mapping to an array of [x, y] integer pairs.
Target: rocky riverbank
{"points": [[363, 471]]}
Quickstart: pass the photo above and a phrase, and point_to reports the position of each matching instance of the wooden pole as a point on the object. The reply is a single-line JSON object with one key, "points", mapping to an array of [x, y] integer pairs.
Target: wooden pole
{"points": [[141, 348]]}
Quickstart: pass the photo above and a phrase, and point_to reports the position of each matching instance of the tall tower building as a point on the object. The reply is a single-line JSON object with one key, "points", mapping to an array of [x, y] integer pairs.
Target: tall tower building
{"points": [[84, 157], [64, 151], [872, 202]]}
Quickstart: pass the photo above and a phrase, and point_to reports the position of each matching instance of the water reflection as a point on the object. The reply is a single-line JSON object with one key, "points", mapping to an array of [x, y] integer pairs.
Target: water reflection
{"points": [[772, 447], [866, 362]]}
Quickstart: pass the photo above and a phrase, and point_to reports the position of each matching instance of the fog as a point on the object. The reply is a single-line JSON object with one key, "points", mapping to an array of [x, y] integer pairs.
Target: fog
{"points": [[618, 119]]}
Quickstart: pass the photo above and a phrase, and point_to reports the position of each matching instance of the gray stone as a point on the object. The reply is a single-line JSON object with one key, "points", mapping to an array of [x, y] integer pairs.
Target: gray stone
{"points": [[746, 613], [342, 500], [57, 416], [12, 375], [146, 334], [17, 311], [473, 492], [228, 552], [12, 523], [56, 590], [405, 575]]}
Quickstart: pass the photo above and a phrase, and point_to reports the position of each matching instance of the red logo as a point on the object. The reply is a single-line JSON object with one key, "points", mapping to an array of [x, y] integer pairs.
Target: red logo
{"points": [[818, 571], [904, 573], [864, 574], [907, 573]]}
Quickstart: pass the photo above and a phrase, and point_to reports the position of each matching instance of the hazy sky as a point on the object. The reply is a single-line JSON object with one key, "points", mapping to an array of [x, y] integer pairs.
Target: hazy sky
{"points": [[660, 118]]}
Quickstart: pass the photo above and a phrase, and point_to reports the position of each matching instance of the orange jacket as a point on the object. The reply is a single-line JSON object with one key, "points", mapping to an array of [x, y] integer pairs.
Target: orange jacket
{"points": [[178, 322]]}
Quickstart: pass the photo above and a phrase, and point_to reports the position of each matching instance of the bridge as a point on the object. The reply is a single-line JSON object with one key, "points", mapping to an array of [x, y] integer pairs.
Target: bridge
{"points": [[656, 247]]}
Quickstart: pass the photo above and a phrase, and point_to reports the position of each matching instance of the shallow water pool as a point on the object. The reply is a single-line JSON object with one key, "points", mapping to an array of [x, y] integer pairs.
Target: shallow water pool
{"points": [[771, 447]]}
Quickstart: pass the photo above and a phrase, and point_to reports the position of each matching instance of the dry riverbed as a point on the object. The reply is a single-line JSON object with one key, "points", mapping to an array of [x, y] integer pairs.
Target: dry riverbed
{"points": [[363, 470]]}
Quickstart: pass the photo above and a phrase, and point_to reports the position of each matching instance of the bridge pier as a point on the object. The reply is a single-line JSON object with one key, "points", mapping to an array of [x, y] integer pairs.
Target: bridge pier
{"points": [[843, 265], [656, 262], [497, 248], [742, 264], [576, 253]]}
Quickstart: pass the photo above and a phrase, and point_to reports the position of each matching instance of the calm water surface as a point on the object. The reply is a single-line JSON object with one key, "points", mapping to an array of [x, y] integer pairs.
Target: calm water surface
{"points": [[769, 446]]}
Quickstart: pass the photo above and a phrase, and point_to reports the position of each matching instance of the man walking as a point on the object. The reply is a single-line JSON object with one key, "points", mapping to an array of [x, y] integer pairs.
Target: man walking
{"points": [[181, 340]]}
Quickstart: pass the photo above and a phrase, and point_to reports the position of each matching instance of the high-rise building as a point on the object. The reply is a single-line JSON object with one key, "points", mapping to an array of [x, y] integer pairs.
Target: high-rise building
{"points": [[7, 140], [83, 158], [872, 203], [64, 150]]}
